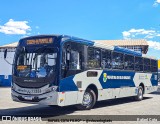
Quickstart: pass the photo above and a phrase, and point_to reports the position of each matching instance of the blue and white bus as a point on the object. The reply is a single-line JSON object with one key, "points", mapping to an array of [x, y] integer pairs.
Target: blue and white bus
{"points": [[63, 70]]}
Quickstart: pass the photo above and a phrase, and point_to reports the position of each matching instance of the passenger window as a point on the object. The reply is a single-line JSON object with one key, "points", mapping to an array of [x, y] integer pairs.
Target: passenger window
{"points": [[147, 65], [129, 62], [117, 61], [106, 59], [154, 66], [94, 57], [138, 64], [154, 62]]}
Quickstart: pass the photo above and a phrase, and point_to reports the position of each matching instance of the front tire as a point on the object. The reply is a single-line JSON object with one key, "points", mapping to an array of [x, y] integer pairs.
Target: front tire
{"points": [[89, 100], [139, 96]]}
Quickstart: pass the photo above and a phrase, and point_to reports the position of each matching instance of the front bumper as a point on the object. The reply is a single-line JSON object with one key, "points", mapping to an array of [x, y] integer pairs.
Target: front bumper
{"points": [[46, 99]]}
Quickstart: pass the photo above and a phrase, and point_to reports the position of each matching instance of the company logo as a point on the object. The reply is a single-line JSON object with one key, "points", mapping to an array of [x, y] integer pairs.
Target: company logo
{"points": [[104, 77], [29, 80], [119, 77], [143, 77]]}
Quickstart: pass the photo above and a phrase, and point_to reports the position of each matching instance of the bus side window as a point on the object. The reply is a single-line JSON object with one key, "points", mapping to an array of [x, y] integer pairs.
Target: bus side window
{"points": [[117, 61], [129, 62], [94, 58], [154, 65], [106, 59], [138, 64], [147, 64]]}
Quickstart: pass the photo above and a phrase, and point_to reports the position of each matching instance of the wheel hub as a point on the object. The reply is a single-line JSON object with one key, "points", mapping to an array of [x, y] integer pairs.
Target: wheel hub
{"points": [[87, 99], [140, 93]]}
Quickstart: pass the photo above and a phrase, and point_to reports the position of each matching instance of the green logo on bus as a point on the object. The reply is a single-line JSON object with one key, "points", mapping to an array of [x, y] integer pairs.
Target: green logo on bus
{"points": [[104, 77]]}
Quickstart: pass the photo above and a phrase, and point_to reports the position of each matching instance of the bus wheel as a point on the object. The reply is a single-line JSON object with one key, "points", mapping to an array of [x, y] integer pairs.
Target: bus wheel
{"points": [[89, 100], [139, 96]]}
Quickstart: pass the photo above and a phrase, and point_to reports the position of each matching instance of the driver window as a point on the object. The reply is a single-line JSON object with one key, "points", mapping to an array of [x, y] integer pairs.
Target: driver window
{"points": [[72, 57]]}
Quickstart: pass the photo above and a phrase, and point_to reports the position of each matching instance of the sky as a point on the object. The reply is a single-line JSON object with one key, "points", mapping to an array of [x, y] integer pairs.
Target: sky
{"points": [[87, 19]]}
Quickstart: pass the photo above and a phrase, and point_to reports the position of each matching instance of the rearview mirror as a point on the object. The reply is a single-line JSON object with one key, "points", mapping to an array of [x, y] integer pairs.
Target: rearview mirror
{"points": [[5, 54]]}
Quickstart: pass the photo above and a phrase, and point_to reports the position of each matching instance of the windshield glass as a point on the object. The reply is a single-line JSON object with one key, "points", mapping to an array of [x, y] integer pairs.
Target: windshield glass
{"points": [[35, 62]]}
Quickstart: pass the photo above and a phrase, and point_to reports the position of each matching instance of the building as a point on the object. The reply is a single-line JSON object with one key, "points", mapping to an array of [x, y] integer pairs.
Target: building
{"points": [[6, 68], [139, 45]]}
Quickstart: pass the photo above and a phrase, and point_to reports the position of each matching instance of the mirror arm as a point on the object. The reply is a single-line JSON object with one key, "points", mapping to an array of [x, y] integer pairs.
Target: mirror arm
{"points": [[8, 62]]}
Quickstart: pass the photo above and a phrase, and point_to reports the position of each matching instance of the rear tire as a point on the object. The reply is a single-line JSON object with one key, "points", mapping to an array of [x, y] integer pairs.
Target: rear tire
{"points": [[89, 100], [139, 96]]}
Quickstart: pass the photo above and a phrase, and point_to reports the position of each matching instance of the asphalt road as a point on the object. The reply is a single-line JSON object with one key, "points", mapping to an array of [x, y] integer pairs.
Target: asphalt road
{"points": [[123, 106]]}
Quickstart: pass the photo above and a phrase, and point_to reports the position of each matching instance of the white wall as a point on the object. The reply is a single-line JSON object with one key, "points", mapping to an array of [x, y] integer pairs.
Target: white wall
{"points": [[5, 68]]}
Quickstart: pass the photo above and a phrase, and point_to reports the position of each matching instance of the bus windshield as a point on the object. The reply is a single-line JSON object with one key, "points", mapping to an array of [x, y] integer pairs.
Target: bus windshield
{"points": [[34, 62]]}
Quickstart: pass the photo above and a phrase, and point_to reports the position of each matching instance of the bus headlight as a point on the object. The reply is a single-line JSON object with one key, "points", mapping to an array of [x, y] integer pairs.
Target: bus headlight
{"points": [[50, 89]]}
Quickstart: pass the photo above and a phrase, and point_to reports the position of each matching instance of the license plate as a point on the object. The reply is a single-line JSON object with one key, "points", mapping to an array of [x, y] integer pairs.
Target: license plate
{"points": [[28, 97], [29, 91], [35, 91]]}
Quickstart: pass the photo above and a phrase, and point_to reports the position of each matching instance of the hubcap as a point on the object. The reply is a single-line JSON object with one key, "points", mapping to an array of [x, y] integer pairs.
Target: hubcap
{"points": [[140, 93], [87, 99]]}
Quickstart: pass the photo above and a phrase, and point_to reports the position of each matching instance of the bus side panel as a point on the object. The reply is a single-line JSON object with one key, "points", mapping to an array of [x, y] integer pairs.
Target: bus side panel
{"points": [[142, 78], [105, 94], [154, 79], [68, 92], [149, 80], [116, 79], [112, 93], [149, 89], [67, 98], [110, 84], [71, 85], [83, 81]]}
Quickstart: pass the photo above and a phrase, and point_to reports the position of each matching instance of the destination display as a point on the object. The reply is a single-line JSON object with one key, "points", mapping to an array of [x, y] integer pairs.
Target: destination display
{"points": [[22, 67], [39, 41]]}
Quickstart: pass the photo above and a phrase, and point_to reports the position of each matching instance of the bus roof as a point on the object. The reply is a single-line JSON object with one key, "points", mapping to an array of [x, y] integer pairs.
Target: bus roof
{"points": [[123, 50], [114, 48], [94, 43]]}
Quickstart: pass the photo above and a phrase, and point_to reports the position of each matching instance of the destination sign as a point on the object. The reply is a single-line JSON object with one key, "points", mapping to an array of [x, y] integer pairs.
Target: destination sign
{"points": [[40, 41], [21, 67]]}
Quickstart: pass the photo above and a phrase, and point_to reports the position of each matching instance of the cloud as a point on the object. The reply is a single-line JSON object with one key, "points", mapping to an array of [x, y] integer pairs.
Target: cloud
{"points": [[156, 3], [132, 33], [154, 44], [152, 36], [15, 27], [126, 34]]}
